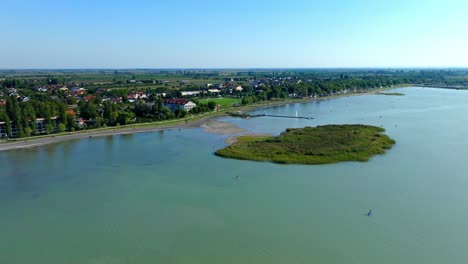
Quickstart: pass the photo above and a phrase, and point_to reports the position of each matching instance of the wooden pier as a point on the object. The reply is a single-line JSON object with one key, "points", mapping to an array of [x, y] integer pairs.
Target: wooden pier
{"points": [[243, 115], [282, 116]]}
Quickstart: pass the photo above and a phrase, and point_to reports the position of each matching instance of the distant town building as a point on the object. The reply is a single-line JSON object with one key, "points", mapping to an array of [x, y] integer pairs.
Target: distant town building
{"points": [[214, 90], [190, 93], [78, 90]]}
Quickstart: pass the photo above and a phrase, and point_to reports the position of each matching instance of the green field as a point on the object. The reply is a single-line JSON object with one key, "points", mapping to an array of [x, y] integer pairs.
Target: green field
{"points": [[312, 145], [223, 101]]}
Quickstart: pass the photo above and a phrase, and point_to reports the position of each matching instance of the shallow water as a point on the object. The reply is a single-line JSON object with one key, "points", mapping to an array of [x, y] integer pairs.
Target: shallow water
{"points": [[162, 197]]}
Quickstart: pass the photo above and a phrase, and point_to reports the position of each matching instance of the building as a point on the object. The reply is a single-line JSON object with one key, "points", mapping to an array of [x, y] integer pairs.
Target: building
{"points": [[214, 91], [190, 93], [78, 90], [3, 132], [141, 95], [41, 127], [184, 104]]}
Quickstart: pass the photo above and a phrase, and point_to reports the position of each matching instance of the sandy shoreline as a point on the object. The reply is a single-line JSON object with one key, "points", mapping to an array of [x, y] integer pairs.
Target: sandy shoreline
{"points": [[209, 124], [223, 128]]}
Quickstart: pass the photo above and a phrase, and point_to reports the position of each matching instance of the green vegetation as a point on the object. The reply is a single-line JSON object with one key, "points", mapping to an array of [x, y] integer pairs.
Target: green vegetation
{"points": [[239, 114], [395, 94], [312, 145], [224, 101]]}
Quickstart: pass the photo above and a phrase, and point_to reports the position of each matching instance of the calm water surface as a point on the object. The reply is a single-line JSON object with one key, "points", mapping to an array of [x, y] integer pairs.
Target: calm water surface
{"points": [[163, 197]]}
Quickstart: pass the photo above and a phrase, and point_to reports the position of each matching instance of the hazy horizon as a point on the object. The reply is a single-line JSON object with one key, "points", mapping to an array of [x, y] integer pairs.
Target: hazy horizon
{"points": [[256, 34], [237, 69]]}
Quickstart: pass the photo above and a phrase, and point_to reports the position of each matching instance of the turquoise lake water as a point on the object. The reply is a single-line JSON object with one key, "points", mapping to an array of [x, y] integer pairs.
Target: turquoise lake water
{"points": [[163, 197]]}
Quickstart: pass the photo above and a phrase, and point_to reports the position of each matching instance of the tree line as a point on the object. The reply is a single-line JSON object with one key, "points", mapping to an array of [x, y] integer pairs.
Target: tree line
{"points": [[20, 117]]}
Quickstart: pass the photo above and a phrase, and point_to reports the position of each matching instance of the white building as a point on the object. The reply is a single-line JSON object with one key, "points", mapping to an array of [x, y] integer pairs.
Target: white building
{"points": [[184, 104], [190, 93]]}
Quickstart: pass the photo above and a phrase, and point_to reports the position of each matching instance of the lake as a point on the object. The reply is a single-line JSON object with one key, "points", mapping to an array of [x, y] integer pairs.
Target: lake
{"points": [[163, 197]]}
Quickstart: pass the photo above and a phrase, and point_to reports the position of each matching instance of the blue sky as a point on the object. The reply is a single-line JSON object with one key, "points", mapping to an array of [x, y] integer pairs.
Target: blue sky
{"points": [[233, 34]]}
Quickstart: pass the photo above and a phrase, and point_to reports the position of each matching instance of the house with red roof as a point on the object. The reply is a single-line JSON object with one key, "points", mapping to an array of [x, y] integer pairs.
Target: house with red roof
{"points": [[89, 98], [71, 112]]}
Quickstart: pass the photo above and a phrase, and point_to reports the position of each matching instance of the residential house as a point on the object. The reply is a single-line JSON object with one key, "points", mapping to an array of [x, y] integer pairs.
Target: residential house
{"points": [[89, 98], [184, 104], [141, 95], [131, 98], [11, 91], [116, 100], [3, 132], [42, 89], [41, 127], [78, 90], [24, 99]]}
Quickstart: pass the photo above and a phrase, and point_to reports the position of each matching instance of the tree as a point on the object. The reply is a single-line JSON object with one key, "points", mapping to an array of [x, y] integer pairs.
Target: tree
{"points": [[212, 105], [28, 118], [14, 113], [124, 118], [61, 108], [4, 118], [49, 126], [247, 100], [180, 113], [61, 128], [88, 110], [71, 100], [70, 121]]}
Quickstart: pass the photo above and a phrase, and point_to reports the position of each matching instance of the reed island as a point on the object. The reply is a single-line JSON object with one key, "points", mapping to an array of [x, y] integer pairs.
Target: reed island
{"points": [[312, 145]]}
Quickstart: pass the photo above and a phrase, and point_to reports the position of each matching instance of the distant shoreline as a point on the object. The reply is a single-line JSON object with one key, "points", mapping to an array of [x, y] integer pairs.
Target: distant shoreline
{"points": [[193, 122]]}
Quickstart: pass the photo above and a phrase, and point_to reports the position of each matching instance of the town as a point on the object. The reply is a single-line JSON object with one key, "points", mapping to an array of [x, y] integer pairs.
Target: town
{"points": [[37, 103]]}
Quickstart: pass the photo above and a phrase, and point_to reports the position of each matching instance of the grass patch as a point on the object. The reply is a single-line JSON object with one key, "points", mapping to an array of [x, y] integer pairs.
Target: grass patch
{"points": [[223, 101], [312, 145]]}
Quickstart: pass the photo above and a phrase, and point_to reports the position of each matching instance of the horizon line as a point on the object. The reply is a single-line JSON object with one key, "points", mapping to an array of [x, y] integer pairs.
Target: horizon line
{"points": [[242, 68]]}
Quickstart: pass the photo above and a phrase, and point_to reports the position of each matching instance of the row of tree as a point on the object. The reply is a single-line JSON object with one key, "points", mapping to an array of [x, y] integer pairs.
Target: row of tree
{"points": [[22, 116]]}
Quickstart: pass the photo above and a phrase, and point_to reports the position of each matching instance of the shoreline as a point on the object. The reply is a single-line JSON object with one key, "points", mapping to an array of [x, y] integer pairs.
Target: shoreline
{"points": [[51, 139], [193, 122]]}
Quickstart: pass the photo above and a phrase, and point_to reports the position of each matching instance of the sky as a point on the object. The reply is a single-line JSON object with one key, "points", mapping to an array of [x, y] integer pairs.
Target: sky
{"points": [[80, 34]]}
